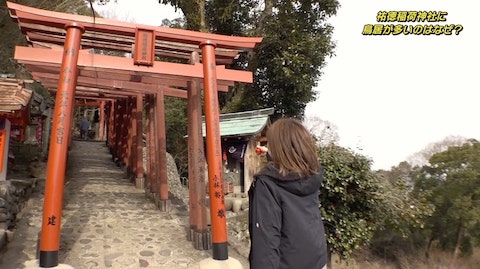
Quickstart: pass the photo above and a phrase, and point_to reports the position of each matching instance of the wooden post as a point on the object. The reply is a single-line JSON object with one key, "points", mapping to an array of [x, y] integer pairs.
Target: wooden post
{"points": [[117, 131], [4, 145], [198, 232], [150, 146], [214, 154], [139, 178], [163, 201], [55, 177], [101, 127], [124, 131], [129, 136], [108, 127], [154, 153]]}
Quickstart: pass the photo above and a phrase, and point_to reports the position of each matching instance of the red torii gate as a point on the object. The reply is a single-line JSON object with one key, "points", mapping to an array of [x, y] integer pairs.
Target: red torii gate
{"points": [[61, 56]]}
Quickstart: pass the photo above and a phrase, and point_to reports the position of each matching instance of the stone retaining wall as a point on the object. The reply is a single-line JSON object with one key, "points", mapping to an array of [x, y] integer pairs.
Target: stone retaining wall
{"points": [[14, 194]]}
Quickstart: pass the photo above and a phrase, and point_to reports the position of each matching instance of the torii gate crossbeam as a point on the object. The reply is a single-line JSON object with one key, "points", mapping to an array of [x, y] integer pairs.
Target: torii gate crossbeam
{"points": [[127, 81]]}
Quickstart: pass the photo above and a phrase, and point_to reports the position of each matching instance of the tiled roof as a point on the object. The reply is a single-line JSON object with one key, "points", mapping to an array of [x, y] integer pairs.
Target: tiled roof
{"points": [[13, 95], [243, 123]]}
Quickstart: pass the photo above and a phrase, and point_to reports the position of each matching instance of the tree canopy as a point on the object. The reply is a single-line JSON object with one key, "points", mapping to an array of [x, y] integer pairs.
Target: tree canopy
{"points": [[358, 203], [348, 198], [297, 40], [10, 35], [452, 180]]}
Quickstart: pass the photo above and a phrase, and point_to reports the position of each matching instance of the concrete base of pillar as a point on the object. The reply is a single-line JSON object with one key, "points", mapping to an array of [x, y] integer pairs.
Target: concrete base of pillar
{"points": [[229, 263], [163, 205], [149, 194], [202, 240], [127, 172], [34, 264], [190, 230], [140, 183]]}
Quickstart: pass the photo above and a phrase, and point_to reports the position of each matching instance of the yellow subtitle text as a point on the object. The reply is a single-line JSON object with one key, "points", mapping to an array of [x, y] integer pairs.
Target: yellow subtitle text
{"points": [[397, 29], [403, 23], [411, 16]]}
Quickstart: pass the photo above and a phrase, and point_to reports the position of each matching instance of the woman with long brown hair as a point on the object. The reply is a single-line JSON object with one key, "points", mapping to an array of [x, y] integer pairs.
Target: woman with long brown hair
{"points": [[286, 229]]}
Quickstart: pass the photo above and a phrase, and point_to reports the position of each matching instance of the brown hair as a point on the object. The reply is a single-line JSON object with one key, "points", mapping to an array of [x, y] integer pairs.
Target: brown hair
{"points": [[292, 148]]}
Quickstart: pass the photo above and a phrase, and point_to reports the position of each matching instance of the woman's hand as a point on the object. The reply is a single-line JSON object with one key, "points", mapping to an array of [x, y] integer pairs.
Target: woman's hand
{"points": [[261, 150]]}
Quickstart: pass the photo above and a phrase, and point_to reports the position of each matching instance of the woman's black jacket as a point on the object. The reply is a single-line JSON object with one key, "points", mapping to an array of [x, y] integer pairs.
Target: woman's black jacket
{"points": [[286, 229]]}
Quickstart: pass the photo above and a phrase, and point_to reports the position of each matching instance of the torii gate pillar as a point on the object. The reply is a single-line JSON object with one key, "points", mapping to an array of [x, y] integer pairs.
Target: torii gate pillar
{"points": [[55, 177], [214, 161], [198, 232]]}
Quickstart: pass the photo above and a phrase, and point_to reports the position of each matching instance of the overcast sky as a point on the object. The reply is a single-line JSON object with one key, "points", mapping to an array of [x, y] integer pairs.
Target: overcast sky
{"points": [[389, 95], [393, 95], [148, 12]]}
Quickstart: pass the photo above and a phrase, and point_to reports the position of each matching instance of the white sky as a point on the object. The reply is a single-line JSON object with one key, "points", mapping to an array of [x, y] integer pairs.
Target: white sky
{"points": [[389, 96], [393, 95], [148, 12]]}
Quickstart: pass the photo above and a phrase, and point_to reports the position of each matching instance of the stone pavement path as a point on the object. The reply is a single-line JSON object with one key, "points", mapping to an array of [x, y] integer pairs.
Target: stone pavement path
{"points": [[106, 221]]}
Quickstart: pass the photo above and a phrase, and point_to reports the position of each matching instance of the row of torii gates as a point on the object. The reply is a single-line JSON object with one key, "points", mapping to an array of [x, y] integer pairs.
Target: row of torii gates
{"points": [[61, 56]]}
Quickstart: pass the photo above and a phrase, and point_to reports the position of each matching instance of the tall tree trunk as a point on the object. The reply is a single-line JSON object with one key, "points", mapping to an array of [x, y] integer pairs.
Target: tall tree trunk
{"points": [[194, 11], [458, 240], [267, 12], [429, 245]]}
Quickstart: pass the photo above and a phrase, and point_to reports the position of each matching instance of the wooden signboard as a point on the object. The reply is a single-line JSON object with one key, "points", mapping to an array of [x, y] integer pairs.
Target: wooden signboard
{"points": [[144, 47]]}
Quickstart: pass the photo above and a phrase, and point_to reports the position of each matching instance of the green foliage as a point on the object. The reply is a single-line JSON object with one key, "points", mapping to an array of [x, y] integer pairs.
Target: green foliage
{"points": [[286, 65], [401, 209], [10, 35], [176, 129], [402, 213], [178, 23], [193, 10], [452, 180], [288, 62], [229, 17], [349, 202]]}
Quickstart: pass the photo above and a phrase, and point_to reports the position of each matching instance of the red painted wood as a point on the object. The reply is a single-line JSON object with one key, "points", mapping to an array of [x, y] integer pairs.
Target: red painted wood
{"points": [[57, 156], [214, 152]]}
